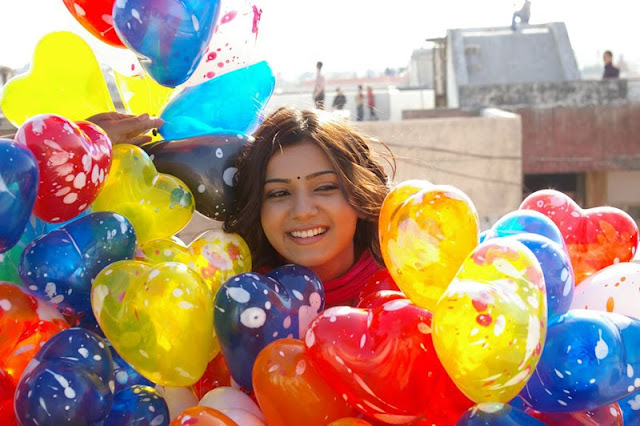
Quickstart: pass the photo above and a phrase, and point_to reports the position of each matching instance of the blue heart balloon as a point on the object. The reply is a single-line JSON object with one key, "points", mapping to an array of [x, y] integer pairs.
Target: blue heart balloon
{"points": [[252, 310], [631, 409], [168, 36], [18, 188], [138, 405], [590, 359], [496, 414], [231, 103], [124, 374], [67, 382], [59, 266], [529, 221]]}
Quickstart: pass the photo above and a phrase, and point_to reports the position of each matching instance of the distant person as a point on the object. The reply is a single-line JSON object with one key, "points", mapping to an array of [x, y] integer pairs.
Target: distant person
{"points": [[523, 15], [360, 103], [609, 70], [371, 103], [318, 90], [340, 100]]}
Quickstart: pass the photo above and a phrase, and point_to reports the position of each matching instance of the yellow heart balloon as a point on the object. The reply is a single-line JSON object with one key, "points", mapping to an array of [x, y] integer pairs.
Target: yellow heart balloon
{"points": [[158, 205], [490, 325], [426, 232], [64, 79], [158, 317], [141, 94], [215, 255]]}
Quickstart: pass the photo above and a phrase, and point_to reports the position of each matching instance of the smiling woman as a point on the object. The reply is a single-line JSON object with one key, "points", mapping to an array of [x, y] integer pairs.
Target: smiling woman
{"points": [[310, 192]]}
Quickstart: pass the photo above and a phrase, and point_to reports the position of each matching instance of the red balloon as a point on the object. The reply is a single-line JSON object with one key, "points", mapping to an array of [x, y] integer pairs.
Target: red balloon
{"points": [[608, 415], [595, 238], [379, 298], [73, 161], [216, 375], [97, 17], [381, 280], [382, 360]]}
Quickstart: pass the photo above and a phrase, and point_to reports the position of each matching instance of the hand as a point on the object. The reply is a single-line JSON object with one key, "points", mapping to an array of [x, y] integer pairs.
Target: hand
{"points": [[126, 128]]}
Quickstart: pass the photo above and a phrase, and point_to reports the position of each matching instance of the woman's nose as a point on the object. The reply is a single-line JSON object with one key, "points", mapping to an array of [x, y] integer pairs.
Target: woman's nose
{"points": [[304, 206]]}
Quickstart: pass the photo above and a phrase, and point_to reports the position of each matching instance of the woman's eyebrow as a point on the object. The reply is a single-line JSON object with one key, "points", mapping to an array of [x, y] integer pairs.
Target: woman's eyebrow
{"points": [[308, 177]]}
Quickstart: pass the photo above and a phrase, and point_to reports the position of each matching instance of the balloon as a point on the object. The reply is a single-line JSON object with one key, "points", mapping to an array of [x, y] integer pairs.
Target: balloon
{"points": [[64, 79], [216, 375], [233, 44], [157, 205], [7, 391], [252, 310], [133, 301], [18, 187], [232, 103], [382, 361], [207, 165], [496, 414], [226, 398], [595, 238], [350, 421], [178, 399], [630, 407], [203, 416], [381, 280], [138, 404], [214, 254], [527, 221], [426, 231], [141, 94], [615, 288], [73, 160], [67, 381], [26, 323], [124, 374], [60, 265], [168, 36], [490, 324], [96, 17], [283, 369], [591, 359], [607, 415], [379, 298]]}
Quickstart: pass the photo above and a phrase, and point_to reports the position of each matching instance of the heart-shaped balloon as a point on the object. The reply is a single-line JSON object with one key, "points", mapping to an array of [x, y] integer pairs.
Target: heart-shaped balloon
{"points": [[426, 232], [496, 305], [158, 205], [202, 416], [73, 160], [124, 374], [133, 301], [207, 165], [68, 381], [60, 266], [252, 310], [379, 281], [234, 403], [141, 94], [630, 407], [168, 36], [231, 103], [18, 188], [64, 79], [216, 375], [595, 238], [590, 359], [233, 44], [96, 17], [215, 255], [283, 369], [488, 413], [138, 404], [607, 415], [382, 361], [615, 288]]}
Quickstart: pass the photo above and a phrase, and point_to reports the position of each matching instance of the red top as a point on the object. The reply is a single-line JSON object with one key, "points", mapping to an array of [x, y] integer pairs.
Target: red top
{"points": [[344, 290]]}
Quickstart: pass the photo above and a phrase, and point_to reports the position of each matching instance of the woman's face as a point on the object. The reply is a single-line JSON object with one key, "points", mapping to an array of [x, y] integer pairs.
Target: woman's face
{"points": [[304, 214]]}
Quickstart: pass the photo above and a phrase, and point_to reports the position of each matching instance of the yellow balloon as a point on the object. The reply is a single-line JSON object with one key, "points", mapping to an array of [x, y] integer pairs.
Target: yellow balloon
{"points": [[215, 255], [158, 205], [490, 325], [64, 79], [158, 317], [426, 232], [141, 94]]}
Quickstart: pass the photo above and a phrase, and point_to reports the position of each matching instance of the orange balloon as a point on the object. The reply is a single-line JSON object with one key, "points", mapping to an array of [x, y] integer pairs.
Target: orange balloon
{"points": [[350, 421], [290, 391], [202, 416]]}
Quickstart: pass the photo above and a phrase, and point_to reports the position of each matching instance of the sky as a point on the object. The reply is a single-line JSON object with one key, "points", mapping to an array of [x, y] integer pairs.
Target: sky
{"points": [[357, 35]]}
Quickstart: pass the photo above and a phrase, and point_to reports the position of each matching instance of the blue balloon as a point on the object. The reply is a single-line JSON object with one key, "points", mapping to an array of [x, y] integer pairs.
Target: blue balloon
{"points": [[530, 221], [138, 405], [496, 414], [252, 310], [168, 36], [231, 103], [631, 409], [124, 374], [18, 189], [67, 382], [590, 359], [59, 266]]}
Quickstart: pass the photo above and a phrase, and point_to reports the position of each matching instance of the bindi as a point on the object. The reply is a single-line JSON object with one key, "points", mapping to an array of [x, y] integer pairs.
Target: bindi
{"points": [[298, 177]]}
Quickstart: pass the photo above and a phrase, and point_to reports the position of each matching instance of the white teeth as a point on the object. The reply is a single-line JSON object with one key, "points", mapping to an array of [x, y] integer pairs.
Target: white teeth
{"points": [[308, 233]]}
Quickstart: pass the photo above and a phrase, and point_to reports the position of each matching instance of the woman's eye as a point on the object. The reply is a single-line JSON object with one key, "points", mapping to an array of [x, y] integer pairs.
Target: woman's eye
{"points": [[328, 187], [277, 194]]}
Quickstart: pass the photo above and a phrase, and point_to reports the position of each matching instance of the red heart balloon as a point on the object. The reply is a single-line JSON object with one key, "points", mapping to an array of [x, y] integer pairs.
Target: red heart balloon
{"points": [[379, 281], [97, 17], [595, 238], [607, 415], [382, 360], [73, 161]]}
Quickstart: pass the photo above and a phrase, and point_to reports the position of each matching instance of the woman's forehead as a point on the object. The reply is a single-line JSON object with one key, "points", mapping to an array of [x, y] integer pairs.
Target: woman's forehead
{"points": [[300, 159]]}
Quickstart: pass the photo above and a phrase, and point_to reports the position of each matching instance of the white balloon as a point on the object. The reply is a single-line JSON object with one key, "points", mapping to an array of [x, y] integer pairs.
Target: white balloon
{"points": [[225, 398], [242, 417], [178, 399]]}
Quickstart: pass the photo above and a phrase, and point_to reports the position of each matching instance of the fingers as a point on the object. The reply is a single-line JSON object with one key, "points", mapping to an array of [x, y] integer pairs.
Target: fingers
{"points": [[140, 140]]}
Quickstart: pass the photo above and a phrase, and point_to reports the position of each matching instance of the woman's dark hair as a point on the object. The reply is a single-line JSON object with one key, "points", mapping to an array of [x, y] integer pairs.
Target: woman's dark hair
{"points": [[362, 178]]}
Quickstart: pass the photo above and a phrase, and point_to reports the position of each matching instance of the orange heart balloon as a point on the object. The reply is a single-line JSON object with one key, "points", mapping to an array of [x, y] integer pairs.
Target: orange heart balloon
{"points": [[202, 416], [426, 232], [283, 370], [350, 421]]}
